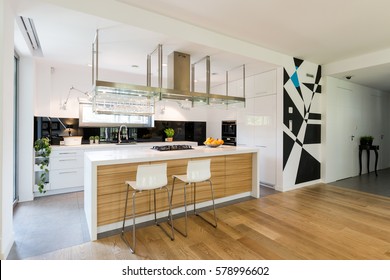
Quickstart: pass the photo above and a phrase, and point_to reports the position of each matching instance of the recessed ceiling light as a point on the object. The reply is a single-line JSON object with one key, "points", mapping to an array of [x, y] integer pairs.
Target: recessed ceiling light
{"points": [[164, 65]]}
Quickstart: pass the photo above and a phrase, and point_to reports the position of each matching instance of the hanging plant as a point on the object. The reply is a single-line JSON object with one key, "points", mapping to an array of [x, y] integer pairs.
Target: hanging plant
{"points": [[42, 150]]}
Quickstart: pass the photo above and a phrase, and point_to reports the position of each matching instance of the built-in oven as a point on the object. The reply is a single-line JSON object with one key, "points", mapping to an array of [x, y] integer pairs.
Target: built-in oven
{"points": [[229, 132]]}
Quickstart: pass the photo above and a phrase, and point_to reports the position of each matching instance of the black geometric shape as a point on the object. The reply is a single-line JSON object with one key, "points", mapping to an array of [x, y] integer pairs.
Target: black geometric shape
{"points": [[299, 142], [309, 168], [314, 116], [300, 92], [319, 89], [295, 116], [312, 134], [288, 145], [286, 76], [318, 75], [309, 86], [297, 62]]}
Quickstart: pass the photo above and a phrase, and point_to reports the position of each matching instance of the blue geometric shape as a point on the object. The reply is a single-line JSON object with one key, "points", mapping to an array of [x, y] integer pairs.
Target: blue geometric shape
{"points": [[295, 80]]}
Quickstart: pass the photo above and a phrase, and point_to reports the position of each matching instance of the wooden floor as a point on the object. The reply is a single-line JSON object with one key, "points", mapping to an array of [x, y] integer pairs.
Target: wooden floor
{"points": [[316, 222]]}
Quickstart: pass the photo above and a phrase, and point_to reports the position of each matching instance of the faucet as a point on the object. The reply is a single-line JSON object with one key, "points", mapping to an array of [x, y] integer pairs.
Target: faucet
{"points": [[119, 133]]}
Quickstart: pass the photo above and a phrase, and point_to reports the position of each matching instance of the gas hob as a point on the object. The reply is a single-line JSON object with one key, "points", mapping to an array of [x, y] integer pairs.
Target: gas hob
{"points": [[172, 148]]}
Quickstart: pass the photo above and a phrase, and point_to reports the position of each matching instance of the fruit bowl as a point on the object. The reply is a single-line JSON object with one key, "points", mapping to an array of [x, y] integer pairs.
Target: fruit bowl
{"points": [[213, 143], [213, 146]]}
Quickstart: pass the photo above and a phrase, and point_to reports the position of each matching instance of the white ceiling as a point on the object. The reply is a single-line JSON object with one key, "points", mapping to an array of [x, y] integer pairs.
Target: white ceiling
{"points": [[318, 31]]}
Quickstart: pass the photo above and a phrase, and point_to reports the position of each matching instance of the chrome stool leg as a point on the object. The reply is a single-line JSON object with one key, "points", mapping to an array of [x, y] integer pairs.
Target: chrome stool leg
{"points": [[169, 219], [148, 177], [185, 209], [124, 221], [212, 198]]}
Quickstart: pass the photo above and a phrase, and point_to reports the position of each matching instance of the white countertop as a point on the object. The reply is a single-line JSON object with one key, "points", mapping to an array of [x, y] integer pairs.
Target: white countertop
{"points": [[113, 146], [144, 154]]}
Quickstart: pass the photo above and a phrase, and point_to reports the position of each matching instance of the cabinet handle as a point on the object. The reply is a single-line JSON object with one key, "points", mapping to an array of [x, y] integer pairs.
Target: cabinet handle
{"points": [[68, 153], [67, 172], [261, 146], [69, 159]]}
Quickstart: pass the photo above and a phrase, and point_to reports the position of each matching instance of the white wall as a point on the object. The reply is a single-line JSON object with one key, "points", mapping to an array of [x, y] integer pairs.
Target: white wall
{"points": [[55, 79], [171, 110], [351, 109], [6, 127]]}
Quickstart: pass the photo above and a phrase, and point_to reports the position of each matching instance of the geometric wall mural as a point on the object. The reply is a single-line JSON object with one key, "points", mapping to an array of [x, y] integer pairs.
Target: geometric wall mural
{"points": [[302, 122]]}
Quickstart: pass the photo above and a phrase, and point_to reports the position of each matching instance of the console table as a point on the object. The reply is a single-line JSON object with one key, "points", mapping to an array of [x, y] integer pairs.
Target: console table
{"points": [[368, 148]]}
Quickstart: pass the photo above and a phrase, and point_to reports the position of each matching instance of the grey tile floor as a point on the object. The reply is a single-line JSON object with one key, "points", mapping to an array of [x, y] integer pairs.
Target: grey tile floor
{"points": [[369, 183], [48, 224]]}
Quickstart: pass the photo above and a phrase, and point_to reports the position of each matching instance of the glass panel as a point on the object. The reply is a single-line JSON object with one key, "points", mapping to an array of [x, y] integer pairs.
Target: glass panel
{"points": [[92, 119], [15, 184]]}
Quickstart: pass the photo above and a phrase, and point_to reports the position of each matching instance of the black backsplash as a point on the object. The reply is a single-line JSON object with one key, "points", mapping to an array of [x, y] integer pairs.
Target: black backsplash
{"points": [[184, 131]]}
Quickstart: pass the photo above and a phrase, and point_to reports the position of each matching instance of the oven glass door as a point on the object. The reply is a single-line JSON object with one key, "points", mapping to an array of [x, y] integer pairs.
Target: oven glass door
{"points": [[229, 129]]}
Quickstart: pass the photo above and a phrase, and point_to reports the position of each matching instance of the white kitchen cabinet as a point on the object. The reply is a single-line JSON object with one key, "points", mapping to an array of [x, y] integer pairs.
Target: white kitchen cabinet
{"points": [[265, 137], [245, 124], [66, 169], [218, 89], [249, 86], [66, 178], [265, 83], [256, 126]]}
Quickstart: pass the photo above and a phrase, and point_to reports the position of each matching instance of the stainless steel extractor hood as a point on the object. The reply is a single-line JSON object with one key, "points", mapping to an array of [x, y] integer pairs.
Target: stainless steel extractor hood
{"points": [[127, 99]]}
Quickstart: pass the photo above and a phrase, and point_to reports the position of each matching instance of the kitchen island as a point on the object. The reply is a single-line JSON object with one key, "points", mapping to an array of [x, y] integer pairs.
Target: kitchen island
{"points": [[234, 173]]}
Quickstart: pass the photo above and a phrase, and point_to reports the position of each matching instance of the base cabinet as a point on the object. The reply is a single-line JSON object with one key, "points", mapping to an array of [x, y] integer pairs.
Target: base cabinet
{"points": [[66, 169]]}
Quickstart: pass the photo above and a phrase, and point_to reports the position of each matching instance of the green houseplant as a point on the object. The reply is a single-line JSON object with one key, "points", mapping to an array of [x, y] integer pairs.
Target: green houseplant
{"points": [[169, 132], [97, 138], [42, 151], [91, 139], [366, 140]]}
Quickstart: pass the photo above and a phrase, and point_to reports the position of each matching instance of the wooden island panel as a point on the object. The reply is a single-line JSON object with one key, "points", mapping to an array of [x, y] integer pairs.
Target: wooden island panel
{"points": [[111, 193], [238, 174], [217, 168], [230, 174]]}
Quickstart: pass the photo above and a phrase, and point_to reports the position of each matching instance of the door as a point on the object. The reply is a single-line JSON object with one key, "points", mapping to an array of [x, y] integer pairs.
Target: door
{"points": [[347, 136]]}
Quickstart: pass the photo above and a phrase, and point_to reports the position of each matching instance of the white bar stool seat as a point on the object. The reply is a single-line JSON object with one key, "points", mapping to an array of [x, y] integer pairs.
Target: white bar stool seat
{"points": [[197, 171], [149, 177]]}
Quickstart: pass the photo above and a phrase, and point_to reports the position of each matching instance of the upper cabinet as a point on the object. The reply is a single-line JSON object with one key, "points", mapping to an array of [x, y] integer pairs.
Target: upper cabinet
{"points": [[264, 83]]}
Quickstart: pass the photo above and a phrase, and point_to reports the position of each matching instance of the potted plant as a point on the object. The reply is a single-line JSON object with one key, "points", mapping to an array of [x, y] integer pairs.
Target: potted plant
{"points": [[91, 139], [169, 132], [366, 140], [97, 138], [42, 151]]}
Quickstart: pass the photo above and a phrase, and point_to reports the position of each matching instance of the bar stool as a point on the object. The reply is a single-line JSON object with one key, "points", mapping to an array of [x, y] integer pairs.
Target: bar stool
{"points": [[197, 171], [149, 177]]}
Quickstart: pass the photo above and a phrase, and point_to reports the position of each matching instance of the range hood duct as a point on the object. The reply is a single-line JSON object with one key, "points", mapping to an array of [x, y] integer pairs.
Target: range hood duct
{"points": [[179, 72]]}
